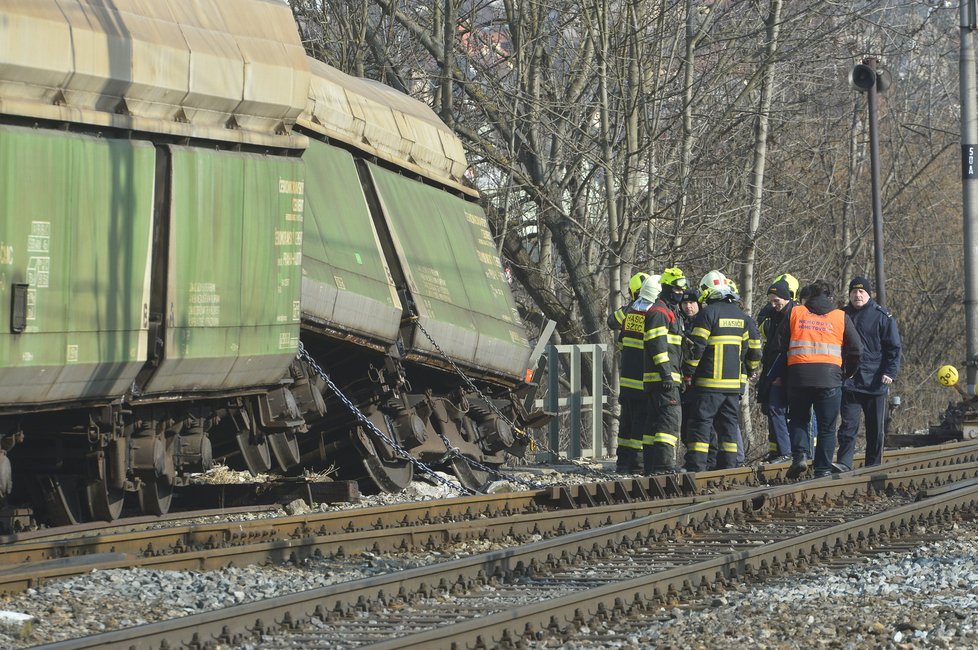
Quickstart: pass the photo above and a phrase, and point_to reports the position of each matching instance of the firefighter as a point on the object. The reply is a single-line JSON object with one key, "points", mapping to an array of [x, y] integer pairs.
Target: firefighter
{"points": [[689, 307], [725, 344], [631, 390], [634, 285], [663, 358]]}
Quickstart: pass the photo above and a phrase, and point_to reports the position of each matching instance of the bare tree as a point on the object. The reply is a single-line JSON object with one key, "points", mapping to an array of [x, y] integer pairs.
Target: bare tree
{"points": [[611, 137]]}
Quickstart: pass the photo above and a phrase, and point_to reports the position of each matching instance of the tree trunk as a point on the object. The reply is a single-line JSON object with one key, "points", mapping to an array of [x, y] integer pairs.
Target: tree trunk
{"points": [[756, 184]]}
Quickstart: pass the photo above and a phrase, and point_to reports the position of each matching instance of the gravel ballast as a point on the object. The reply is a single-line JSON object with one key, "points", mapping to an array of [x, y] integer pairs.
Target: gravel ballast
{"points": [[913, 599]]}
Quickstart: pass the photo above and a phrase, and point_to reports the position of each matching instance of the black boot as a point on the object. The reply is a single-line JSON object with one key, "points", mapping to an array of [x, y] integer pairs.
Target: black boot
{"points": [[660, 459]]}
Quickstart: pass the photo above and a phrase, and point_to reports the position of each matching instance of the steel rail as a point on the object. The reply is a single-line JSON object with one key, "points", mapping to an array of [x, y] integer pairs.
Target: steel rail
{"points": [[400, 528], [143, 535], [500, 628], [227, 626]]}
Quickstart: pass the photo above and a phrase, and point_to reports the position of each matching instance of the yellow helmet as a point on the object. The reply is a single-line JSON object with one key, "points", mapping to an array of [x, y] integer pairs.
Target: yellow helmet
{"points": [[673, 276], [635, 284], [792, 282]]}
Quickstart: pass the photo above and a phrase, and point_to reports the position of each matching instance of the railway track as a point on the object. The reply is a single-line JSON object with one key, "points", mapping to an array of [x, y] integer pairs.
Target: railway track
{"points": [[31, 559], [607, 568]]}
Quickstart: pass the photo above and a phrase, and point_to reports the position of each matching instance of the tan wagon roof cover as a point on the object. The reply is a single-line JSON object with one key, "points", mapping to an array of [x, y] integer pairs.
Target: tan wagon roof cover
{"points": [[200, 68], [384, 122]]}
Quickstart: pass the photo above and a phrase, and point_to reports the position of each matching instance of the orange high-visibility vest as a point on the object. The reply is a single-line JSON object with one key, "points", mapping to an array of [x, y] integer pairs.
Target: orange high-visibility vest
{"points": [[816, 338]]}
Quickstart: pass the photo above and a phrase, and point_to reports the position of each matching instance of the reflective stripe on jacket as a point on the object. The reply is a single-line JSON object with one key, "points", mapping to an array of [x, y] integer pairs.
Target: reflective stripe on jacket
{"points": [[725, 348], [632, 339], [663, 345], [816, 338]]}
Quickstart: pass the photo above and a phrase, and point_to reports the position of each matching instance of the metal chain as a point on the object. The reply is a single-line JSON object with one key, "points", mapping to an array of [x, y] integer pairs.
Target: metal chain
{"points": [[520, 434], [304, 355], [491, 470], [452, 451]]}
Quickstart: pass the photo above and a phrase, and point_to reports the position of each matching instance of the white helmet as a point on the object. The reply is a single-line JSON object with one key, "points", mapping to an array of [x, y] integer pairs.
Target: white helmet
{"points": [[714, 285], [651, 288]]}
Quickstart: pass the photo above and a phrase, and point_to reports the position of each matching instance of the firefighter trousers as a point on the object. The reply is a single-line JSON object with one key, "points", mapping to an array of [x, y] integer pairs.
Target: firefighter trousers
{"points": [[665, 420], [632, 427], [709, 410]]}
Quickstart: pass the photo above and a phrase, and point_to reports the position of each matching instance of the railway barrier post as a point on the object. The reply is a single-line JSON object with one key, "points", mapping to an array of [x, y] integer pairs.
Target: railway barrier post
{"points": [[574, 404]]}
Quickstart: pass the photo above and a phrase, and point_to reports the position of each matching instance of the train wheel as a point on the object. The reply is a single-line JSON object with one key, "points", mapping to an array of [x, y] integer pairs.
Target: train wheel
{"points": [[389, 476], [469, 476], [61, 499], [104, 502], [256, 454], [285, 446], [388, 472], [155, 496]]}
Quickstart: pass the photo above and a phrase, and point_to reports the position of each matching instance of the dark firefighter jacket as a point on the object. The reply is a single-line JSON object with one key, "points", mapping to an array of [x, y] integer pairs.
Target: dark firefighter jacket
{"points": [[632, 341], [663, 345], [726, 346]]}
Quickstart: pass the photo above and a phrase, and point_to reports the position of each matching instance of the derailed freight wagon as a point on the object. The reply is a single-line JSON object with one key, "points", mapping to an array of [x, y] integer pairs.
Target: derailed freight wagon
{"points": [[167, 234]]}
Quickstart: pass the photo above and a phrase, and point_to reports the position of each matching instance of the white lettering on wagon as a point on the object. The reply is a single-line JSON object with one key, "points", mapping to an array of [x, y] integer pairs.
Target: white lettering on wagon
{"points": [[286, 186], [38, 266], [293, 237], [39, 241], [288, 238], [204, 308]]}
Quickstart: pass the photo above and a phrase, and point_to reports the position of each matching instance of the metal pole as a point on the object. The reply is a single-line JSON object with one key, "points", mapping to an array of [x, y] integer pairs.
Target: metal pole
{"points": [[969, 148], [574, 404], [597, 402], [874, 163], [553, 402]]}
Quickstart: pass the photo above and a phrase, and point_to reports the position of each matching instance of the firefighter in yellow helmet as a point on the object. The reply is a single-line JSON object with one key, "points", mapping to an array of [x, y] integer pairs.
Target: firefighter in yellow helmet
{"points": [[632, 397], [663, 358], [634, 285], [792, 283]]}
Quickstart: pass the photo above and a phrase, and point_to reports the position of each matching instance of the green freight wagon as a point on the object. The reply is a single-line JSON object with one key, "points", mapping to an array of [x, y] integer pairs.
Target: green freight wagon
{"points": [[187, 200], [399, 263], [151, 227]]}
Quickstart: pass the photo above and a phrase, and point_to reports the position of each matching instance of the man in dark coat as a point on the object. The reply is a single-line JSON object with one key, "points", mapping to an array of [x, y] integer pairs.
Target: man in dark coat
{"points": [[865, 392], [770, 387]]}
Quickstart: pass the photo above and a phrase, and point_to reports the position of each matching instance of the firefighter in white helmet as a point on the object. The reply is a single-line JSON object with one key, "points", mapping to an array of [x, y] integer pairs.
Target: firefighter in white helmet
{"points": [[632, 396], [725, 347]]}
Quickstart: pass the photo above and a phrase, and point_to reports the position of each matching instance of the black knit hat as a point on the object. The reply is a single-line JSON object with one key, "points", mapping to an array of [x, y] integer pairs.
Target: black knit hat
{"points": [[859, 282], [690, 295], [780, 289]]}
